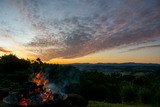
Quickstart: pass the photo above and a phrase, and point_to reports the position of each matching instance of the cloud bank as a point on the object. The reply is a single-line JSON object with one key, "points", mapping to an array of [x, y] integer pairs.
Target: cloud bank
{"points": [[75, 28], [142, 47], [4, 50]]}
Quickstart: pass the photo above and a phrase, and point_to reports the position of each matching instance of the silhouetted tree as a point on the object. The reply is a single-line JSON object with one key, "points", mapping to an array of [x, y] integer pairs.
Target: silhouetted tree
{"points": [[145, 95], [11, 63], [128, 93]]}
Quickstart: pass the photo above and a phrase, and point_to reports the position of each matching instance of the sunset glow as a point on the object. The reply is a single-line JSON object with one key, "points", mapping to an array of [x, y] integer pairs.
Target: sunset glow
{"points": [[81, 31]]}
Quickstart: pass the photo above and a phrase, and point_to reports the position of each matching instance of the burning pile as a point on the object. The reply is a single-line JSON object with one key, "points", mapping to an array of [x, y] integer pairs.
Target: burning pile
{"points": [[38, 92]]}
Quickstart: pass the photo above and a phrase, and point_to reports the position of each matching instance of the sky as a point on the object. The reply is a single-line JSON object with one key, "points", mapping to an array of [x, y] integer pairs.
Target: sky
{"points": [[81, 31]]}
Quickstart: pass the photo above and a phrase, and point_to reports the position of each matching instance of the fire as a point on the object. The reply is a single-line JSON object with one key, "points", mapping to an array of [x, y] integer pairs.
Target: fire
{"points": [[39, 79], [47, 95], [38, 88], [23, 102]]}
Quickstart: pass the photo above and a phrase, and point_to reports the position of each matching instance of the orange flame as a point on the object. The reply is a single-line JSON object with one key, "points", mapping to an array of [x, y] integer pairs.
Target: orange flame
{"points": [[39, 79], [46, 93]]}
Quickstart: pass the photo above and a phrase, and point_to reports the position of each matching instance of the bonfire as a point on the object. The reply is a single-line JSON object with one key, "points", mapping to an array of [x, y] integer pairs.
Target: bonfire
{"points": [[37, 93]]}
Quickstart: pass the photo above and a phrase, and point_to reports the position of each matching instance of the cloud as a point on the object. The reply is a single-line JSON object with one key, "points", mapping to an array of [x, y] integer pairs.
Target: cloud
{"points": [[142, 47], [70, 29], [4, 50]]}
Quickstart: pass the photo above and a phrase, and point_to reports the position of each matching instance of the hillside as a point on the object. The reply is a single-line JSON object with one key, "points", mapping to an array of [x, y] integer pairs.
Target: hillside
{"points": [[118, 67]]}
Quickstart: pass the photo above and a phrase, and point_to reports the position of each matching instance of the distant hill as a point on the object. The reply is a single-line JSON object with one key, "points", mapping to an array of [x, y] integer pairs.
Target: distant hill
{"points": [[118, 67]]}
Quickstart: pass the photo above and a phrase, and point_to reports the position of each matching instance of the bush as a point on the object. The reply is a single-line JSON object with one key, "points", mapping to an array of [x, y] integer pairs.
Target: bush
{"points": [[128, 93], [145, 96], [11, 63]]}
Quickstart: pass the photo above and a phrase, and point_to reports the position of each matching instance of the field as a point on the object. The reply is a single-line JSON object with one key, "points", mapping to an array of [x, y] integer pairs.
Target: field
{"points": [[103, 104]]}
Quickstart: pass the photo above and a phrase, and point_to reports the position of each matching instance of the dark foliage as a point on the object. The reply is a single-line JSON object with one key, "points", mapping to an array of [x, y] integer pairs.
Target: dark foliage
{"points": [[11, 64], [93, 85]]}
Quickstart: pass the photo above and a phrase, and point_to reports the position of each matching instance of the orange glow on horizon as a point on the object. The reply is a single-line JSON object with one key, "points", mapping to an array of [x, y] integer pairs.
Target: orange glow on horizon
{"points": [[112, 56], [93, 61]]}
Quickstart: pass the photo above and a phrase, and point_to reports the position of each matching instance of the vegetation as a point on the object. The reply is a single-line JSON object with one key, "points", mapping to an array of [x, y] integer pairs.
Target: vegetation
{"points": [[104, 104], [93, 85]]}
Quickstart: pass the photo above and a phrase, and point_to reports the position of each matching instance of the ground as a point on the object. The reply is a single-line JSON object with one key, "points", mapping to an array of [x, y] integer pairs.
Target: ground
{"points": [[103, 104]]}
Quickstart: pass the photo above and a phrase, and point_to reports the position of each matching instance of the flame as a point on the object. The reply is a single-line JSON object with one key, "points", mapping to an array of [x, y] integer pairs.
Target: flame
{"points": [[47, 95], [23, 102], [41, 90], [39, 79]]}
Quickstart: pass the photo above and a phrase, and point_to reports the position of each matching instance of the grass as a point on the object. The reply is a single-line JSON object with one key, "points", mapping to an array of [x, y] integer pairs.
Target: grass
{"points": [[104, 104], [99, 104], [2, 104]]}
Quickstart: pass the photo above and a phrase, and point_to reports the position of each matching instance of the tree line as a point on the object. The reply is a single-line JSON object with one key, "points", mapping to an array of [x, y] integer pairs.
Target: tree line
{"points": [[93, 85]]}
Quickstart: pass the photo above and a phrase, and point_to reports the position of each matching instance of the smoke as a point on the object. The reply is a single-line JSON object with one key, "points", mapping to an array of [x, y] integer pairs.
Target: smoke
{"points": [[61, 77]]}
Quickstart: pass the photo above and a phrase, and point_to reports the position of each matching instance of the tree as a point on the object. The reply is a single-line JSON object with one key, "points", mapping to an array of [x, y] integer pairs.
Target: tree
{"points": [[128, 93], [145, 95], [11, 63]]}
